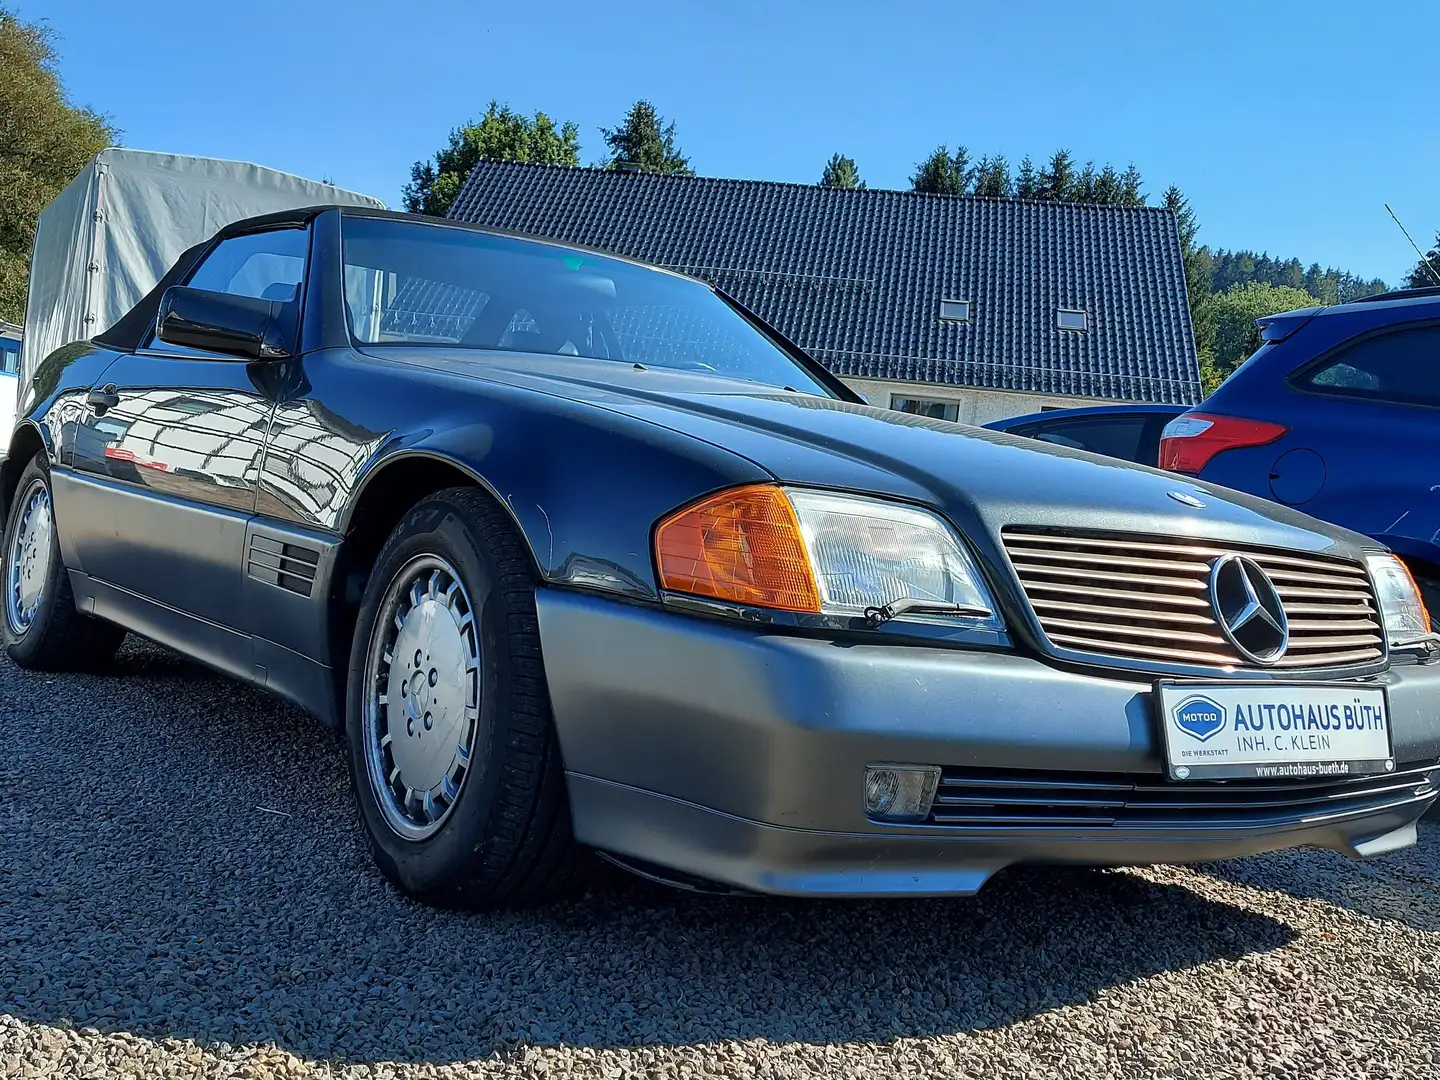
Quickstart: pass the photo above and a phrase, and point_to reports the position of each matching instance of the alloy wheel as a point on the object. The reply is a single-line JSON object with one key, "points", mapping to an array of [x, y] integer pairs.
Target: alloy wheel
{"points": [[27, 562], [422, 697]]}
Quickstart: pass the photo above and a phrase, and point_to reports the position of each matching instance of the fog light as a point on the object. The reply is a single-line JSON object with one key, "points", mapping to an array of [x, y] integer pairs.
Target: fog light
{"points": [[900, 792]]}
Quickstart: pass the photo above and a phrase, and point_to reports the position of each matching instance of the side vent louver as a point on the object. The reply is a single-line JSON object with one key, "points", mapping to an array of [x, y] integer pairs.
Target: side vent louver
{"points": [[285, 565]]}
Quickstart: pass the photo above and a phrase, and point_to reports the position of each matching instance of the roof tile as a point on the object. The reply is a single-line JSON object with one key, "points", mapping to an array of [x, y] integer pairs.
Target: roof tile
{"points": [[856, 277]]}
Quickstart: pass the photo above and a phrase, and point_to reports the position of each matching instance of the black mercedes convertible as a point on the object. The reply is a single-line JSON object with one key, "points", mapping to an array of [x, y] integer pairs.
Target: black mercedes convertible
{"points": [[584, 557]]}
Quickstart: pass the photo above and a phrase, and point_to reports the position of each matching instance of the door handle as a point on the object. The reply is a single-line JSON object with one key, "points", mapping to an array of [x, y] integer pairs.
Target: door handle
{"points": [[103, 399]]}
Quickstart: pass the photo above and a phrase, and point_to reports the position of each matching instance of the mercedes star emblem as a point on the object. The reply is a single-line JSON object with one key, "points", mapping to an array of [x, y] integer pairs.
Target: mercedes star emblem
{"points": [[1249, 609]]}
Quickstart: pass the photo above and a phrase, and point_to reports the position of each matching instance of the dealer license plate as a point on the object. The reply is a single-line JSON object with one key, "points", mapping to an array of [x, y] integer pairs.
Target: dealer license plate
{"points": [[1277, 730]]}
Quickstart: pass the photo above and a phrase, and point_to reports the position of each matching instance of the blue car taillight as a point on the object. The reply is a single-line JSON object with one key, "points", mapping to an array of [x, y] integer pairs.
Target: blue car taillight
{"points": [[1191, 441]]}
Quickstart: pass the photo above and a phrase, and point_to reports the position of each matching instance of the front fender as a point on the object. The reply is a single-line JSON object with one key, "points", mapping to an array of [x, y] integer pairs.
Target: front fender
{"points": [[585, 486]]}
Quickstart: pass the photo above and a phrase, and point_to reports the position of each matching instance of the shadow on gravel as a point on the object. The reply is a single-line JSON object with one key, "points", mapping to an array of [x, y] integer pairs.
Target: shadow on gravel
{"points": [[143, 889], [1403, 887]]}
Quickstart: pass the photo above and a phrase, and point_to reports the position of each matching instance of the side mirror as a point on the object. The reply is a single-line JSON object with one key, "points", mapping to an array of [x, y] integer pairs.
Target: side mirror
{"points": [[240, 326]]}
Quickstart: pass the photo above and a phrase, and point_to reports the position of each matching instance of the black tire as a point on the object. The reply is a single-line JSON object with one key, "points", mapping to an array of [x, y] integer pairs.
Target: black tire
{"points": [[58, 637], [507, 839]]}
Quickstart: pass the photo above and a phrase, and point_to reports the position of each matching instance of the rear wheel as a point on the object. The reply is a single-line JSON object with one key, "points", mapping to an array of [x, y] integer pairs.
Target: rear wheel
{"points": [[41, 628], [452, 751]]}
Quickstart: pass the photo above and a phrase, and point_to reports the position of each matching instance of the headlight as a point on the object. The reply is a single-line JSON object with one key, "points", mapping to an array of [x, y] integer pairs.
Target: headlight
{"points": [[1401, 609], [822, 553]]}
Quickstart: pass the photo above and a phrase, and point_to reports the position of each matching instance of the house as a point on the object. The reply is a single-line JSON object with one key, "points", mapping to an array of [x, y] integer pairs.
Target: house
{"points": [[958, 307], [10, 335]]}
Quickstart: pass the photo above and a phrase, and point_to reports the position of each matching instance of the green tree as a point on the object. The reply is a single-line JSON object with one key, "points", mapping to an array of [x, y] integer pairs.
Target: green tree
{"points": [[1131, 190], [44, 142], [992, 178], [1107, 187], [1427, 271], [1027, 180], [499, 135], [943, 173], [644, 139], [1234, 313], [1058, 181], [840, 172], [1198, 271]]}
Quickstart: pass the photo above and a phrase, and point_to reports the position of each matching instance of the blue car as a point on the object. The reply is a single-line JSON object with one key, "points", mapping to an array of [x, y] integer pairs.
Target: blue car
{"points": [[1128, 432], [1338, 415]]}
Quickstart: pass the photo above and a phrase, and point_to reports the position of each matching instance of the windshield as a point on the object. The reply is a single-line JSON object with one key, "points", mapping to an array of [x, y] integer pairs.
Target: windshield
{"points": [[408, 283]]}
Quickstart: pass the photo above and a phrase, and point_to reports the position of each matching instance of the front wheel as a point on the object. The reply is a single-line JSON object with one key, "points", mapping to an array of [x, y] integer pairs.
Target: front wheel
{"points": [[41, 628], [452, 752]]}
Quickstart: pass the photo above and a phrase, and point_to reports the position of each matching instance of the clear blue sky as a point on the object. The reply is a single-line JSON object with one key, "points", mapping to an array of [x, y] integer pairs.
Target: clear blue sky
{"points": [[1287, 124]]}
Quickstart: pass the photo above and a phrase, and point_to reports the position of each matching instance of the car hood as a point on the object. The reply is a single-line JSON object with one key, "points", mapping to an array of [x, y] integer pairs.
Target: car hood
{"points": [[983, 480]]}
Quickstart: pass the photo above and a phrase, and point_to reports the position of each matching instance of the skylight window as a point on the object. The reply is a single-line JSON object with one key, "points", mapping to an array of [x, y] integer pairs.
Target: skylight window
{"points": [[1070, 319], [954, 310]]}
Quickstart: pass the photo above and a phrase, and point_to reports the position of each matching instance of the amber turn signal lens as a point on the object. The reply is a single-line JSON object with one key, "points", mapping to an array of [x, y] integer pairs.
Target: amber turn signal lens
{"points": [[741, 545]]}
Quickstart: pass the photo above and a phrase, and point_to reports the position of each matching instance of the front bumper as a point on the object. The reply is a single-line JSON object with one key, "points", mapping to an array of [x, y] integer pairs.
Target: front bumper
{"points": [[738, 755]]}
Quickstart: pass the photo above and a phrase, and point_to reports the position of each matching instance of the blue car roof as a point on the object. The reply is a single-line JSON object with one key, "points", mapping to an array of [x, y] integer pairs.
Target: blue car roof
{"points": [[1080, 413]]}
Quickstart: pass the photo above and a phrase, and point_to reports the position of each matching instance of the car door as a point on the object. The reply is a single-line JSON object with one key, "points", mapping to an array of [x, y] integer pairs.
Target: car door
{"points": [[165, 464], [1364, 439]]}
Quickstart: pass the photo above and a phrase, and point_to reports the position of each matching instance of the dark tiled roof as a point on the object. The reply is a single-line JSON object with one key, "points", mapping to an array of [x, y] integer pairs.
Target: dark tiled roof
{"points": [[856, 277]]}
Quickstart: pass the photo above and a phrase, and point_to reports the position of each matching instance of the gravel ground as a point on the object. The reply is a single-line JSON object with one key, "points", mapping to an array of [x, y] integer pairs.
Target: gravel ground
{"points": [[155, 921]]}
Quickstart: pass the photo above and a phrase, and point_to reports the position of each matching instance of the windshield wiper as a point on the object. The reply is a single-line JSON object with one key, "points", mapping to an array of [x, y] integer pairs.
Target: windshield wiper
{"points": [[916, 605], [1423, 643]]}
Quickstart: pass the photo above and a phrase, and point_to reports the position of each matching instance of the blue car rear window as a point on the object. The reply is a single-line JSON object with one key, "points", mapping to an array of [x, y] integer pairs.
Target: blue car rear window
{"points": [[1402, 366]]}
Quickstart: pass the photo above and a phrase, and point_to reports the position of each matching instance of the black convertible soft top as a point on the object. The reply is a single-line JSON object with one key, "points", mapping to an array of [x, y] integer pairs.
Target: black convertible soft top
{"points": [[130, 331]]}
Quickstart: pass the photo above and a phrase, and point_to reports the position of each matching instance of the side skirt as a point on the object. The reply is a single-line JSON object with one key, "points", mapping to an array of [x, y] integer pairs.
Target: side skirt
{"points": [[252, 660]]}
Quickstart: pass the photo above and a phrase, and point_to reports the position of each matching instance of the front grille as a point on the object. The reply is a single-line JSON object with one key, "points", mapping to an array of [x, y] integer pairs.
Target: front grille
{"points": [[1147, 599], [1021, 799]]}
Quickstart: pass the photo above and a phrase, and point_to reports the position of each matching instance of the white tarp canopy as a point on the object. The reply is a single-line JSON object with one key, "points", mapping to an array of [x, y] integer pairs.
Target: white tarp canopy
{"points": [[108, 238]]}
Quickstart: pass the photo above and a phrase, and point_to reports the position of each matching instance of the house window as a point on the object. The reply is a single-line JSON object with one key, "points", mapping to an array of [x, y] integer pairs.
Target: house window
{"points": [[1069, 319], [938, 410], [954, 310]]}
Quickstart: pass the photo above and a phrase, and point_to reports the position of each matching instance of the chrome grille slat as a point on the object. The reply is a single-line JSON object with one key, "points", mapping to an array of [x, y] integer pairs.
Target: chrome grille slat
{"points": [[1141, 631], [1351, 658], [1351, 610], [1146, 599], [1176, 582], [1300, 626], [1271, 561], [1186, 618], [1122, 648], [1290, 592], [1018, 552], [1194, 602], [1334, 641], [1304, 577]]}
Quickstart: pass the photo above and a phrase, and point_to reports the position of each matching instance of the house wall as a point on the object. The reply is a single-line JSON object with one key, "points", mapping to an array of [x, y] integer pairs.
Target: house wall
{"points": [[974, 406]]}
